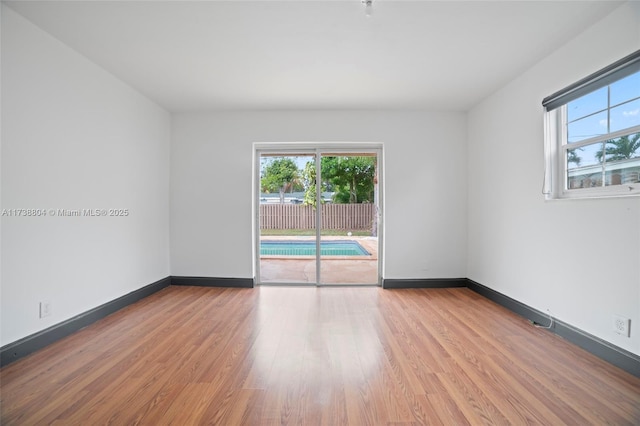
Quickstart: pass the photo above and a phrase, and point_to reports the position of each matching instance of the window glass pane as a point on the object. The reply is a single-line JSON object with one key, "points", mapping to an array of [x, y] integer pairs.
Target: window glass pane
{"points": [[584, 169], [622, 173], [625, 116], [588, 127], [594, 101], [623, 160], [625, 89], [623, 148]]}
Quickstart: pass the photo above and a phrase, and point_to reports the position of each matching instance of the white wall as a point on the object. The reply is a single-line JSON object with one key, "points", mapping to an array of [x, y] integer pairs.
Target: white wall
{"points": [[425, 181], [75, 137], [580, 258]]}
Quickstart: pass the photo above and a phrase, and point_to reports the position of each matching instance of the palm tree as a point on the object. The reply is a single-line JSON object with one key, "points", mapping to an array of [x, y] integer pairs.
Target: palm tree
{"points": [[622, 148], [573, 157]]}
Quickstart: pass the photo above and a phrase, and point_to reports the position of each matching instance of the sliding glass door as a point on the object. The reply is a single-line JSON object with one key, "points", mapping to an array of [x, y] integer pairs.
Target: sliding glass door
{"points": [[348, 219], [287, 223], [317, 216]]}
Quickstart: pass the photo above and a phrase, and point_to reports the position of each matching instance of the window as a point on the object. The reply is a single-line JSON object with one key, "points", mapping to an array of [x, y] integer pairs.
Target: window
{"points": [[592, 134]]}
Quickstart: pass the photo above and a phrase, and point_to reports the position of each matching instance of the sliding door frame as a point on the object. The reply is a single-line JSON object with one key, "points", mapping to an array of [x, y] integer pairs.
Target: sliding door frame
{"points": [[317, 149]]}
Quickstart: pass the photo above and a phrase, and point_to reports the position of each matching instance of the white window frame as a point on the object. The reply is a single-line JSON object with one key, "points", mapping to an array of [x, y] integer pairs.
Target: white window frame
{"points": [[556, 161], [556, 145]]}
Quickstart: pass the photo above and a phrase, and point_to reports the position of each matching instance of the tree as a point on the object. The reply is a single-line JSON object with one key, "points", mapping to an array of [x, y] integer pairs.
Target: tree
{"points": [[622, 148], [573, 157], [279, 174], [309, 180], [352, 177]]}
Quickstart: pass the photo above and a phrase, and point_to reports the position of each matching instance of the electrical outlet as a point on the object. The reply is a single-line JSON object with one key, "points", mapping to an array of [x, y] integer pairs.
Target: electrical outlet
{"points": [[45, 309], [621, 325]]}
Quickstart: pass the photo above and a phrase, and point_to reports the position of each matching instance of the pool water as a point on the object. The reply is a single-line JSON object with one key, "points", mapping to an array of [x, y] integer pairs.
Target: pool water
{"points": [[308, 248]]}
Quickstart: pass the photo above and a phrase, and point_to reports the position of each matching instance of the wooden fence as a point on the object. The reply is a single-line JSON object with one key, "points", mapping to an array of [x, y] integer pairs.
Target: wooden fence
{"points": [[334, 216]]}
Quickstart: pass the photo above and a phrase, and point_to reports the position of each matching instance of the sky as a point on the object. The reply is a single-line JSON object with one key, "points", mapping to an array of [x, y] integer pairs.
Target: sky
{"points": [[587, 115]]}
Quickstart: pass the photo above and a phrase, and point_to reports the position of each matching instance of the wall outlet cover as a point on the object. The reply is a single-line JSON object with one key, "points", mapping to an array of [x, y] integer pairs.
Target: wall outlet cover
{"points": [[45, 309], [621, 325]]}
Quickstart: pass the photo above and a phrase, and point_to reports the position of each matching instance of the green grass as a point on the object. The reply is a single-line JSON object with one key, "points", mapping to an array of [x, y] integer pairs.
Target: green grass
{"points": [[312, 232]]}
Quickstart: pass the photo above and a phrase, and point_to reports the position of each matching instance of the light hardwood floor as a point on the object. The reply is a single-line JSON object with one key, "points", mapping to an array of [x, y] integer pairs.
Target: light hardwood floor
{"points": [[312, 356]]}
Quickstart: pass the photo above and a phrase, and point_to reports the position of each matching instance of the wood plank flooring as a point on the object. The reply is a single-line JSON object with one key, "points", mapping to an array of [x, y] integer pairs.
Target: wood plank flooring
{"points": [[315, 356]]}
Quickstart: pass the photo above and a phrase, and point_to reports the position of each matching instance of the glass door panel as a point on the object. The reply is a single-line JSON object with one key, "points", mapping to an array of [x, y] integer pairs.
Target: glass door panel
{"points": [[348, 203], [287, 219]]}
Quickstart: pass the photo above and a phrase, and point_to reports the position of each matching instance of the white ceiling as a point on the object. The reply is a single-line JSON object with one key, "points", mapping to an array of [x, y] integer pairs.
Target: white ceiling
{"points": [[196, 55]]}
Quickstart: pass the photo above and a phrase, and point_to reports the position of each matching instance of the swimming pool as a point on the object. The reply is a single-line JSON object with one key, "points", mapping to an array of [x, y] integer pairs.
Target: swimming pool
{"points": [[308, 248]]}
